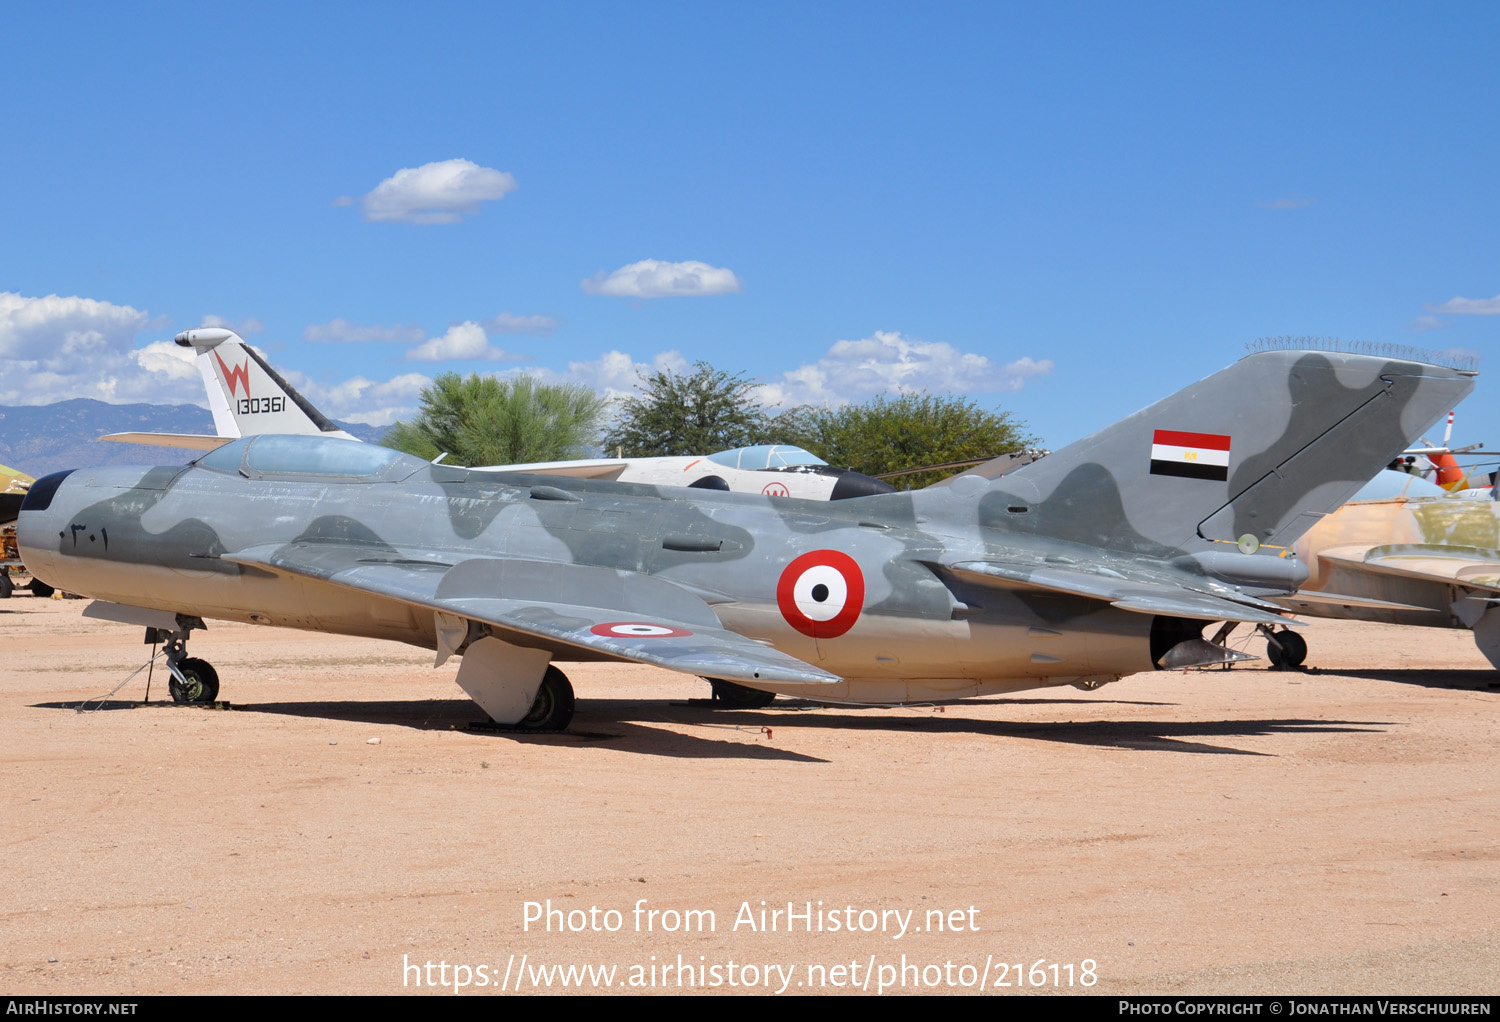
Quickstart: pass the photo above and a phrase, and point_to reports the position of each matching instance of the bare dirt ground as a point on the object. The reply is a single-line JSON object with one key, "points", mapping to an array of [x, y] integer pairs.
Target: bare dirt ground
{"points": [[1240, 831]]}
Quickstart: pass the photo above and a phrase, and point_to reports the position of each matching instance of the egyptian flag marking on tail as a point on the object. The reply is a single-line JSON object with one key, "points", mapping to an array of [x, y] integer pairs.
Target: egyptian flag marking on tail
{"points": [[1194, 455]]}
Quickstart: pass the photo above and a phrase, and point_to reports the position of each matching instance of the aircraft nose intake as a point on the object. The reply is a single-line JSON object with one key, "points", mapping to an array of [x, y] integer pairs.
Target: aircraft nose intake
{"points": [[39, 497], [37, 526], [857, 484]]}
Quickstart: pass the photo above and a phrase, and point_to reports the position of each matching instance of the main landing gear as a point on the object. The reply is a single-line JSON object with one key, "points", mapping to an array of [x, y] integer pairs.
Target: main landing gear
{"points": [[552, 710], [516, 686], [1284, 647]]}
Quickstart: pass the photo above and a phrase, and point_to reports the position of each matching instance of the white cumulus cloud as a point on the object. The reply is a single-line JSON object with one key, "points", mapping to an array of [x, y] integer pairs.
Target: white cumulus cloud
{"points": [[1422, 323], [652, 278], [57, 348], [55, 328], [615, 374], [505, 323], [887, 363], [465, 340], [1457, 306], [358, 399], [341, 331], [890, 363], [171, 360], [434, 193], [244, 327]]}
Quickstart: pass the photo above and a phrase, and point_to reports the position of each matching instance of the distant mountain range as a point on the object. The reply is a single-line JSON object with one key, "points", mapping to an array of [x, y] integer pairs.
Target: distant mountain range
{"points": [[38, 439]]}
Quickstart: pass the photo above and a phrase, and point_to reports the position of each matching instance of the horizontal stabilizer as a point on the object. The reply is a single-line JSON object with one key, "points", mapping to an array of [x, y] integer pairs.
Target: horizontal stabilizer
{"points": [[193, 441], [558, 606], [1156, 592], [587, 468]]}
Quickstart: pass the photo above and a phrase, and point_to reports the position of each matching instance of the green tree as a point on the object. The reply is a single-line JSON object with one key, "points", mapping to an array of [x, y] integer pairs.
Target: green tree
{"points": [[889, 434], [699, 413], [482, 420]]}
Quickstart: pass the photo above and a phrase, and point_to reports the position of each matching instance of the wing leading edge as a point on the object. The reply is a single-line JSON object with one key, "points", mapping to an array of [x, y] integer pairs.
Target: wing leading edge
{"points": [[558, 606]]}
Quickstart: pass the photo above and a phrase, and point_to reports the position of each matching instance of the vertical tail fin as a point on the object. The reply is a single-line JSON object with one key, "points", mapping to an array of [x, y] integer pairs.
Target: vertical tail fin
{"points": [[245, 394], [1262, 449]]}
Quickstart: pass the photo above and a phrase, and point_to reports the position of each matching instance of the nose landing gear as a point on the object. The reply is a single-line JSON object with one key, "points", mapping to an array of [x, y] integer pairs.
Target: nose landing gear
{"points": [[194, 682]]}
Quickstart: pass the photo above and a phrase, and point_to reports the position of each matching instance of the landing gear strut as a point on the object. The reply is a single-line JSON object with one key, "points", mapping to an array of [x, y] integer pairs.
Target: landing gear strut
{"points": [[194, 682]]}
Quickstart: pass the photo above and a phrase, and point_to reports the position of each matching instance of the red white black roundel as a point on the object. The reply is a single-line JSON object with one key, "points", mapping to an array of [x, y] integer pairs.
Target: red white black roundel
{"points": [[637, 630], [821, 593]]}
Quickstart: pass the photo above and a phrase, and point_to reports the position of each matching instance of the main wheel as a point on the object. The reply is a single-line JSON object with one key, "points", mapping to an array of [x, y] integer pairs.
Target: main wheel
{"points": [[553, 708], [202, 682], [740, 697], [40, 588], [1286, 649]]}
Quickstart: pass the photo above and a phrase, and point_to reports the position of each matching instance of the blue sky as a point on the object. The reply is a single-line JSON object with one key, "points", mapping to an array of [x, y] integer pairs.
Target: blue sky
{"points": [[1064, 210]]}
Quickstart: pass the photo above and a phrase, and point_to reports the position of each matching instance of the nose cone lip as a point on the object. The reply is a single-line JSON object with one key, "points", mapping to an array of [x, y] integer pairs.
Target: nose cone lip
{"points": [[857, 484], [39, 497], [34, 525]]}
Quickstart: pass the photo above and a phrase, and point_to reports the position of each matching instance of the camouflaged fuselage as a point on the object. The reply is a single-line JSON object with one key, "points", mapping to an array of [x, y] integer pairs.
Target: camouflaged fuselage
{"points": [[116, 528]]}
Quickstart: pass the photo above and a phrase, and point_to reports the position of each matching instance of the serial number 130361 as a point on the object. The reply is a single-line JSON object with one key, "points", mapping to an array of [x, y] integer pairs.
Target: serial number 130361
{"points": [[256, 405]]}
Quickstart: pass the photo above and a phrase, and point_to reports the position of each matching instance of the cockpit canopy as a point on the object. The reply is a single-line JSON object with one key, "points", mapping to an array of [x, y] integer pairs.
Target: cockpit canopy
{"points": [[281, 455], [765, 457]]}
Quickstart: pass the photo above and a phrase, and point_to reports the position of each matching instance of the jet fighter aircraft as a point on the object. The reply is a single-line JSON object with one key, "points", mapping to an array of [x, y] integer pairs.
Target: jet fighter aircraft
{"points": [[1101, 560], [248, 397]]}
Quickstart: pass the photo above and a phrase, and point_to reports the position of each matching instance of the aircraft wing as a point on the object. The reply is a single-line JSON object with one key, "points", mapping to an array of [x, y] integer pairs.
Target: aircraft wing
{"points": [[1473, 567], [195, 441], [551, 605], [1145, 592]]}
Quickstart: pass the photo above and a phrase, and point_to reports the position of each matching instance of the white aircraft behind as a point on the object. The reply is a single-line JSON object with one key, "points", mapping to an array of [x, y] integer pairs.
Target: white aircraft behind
{"points": [[248, 397]]}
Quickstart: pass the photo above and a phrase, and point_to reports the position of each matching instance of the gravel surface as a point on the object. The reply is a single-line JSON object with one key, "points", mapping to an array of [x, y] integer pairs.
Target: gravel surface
{"points": [[1215, 832]]}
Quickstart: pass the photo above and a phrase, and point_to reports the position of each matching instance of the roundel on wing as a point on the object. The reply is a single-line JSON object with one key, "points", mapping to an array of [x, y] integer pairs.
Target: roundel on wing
{"points": [[821, 593], [638, 630]]}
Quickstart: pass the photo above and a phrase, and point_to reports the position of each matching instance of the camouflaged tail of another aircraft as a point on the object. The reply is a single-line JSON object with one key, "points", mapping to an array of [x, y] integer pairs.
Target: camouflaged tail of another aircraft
{"points": [[1103, 559]]}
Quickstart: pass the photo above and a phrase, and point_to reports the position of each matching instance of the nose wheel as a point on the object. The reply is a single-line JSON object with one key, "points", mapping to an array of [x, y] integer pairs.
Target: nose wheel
{"points": [[194, 682], [191, 681]]}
